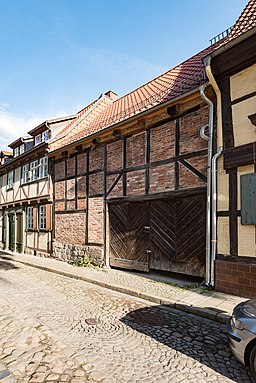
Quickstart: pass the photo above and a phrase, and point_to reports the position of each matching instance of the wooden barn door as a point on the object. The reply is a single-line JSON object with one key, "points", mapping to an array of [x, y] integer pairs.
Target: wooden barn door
{"points": [[129, 236], [177, 235]]}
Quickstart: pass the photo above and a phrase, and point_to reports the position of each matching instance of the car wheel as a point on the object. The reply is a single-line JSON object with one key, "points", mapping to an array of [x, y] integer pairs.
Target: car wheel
{"points": [[253, 361]]}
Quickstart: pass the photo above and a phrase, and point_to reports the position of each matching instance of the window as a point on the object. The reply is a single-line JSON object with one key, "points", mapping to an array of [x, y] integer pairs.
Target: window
{"points": [[25, 173], [38, 139], [16, 152], [45, 135], [248, 201], [22, 149], [43, 167], [10, 180], [33, 170], [29, 217], [42, 218]]}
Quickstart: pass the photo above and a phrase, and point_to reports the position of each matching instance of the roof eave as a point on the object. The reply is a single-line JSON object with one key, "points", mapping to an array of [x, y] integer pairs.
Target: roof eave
{"points": [[229, 45], [118, 124]]}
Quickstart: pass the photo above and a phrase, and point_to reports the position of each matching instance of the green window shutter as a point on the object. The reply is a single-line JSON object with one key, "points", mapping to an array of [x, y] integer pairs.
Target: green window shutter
{"points": [[248, 199]]}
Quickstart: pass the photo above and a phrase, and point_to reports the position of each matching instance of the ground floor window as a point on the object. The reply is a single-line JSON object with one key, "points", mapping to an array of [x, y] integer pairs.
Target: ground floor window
{"points": [[30, 217], [42, 217]]}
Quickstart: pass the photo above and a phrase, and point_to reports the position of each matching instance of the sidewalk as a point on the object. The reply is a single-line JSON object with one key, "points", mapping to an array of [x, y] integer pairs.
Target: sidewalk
{"points": [[198, 300]]}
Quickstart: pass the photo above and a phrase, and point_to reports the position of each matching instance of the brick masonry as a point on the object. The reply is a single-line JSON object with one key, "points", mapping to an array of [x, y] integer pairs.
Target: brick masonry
{"points": [[71, 176], [70, 228], [237, 278]]}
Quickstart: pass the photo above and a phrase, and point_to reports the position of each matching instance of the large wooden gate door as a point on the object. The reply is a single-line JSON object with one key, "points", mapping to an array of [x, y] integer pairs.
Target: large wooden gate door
{"points": [[177, 235], [129, 236]]}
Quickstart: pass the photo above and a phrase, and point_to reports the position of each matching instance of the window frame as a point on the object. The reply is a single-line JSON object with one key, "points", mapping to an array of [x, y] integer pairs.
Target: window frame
{"points": [[22, 149], [33, 170], [38, 139], [42, 217], [25, 179], [29, 218], [43, 167], [10, 180]]}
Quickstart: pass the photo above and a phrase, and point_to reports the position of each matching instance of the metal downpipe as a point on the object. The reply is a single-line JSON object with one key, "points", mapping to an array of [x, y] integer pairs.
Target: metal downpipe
{"points": [[214, 212], [209, 138]]}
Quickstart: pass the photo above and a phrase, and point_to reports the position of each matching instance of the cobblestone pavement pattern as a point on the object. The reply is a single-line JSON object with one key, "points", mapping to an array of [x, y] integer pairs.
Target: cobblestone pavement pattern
{"points": [[55, 329]]}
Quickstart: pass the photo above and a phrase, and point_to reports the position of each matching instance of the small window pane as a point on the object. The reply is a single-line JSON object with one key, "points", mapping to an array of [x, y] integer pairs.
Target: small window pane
{"points": [[29, 217], [16, 152], [43, 167], [25, 173], [10, 180], [45, 135], [33, 170], [38, 139], [22, 149], [42, 218]]}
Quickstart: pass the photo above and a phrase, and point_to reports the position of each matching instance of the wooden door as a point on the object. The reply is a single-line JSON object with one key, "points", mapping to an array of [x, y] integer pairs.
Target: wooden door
{"points": [[11, 232], [129, 236], [177, 235], [19, 236]]}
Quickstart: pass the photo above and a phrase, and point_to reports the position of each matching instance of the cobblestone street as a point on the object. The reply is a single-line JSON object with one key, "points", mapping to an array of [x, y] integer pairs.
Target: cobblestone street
{"points": [[56, 329]]}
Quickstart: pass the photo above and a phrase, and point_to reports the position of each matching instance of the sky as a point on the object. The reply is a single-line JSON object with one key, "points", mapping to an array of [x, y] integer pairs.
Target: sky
{"points": [[57, 56]]}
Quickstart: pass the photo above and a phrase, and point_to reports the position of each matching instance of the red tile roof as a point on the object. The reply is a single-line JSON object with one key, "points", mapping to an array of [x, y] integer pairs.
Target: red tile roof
{"points": [[175, 82], [245, 22], [75, 129]]}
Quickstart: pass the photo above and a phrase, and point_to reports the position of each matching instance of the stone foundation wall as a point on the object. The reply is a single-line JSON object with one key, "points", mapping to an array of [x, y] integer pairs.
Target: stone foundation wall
{"points": [[71, 253], [237, 278]]}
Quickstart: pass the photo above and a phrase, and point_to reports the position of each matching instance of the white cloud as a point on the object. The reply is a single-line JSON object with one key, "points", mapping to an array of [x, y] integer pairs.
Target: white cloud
{"points": [[13, 126]]}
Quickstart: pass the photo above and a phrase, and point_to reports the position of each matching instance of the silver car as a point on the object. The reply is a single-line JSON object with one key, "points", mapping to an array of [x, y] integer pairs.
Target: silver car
{"points": [[242, 333]]}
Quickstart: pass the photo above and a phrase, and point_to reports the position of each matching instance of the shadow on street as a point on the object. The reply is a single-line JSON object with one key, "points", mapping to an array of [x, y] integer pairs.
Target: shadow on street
{"points": [[201, 339], [6, 264]]}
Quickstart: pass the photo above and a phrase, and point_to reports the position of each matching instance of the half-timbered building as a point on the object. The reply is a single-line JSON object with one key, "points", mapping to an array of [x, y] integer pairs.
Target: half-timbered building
{"points": [[26, 192], [130, 177], [232, 72]]}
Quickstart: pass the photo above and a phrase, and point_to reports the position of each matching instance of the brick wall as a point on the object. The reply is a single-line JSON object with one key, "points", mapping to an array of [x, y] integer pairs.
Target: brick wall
{"points": [[136, 183], [190, 139], [96, 184], [81, 163], [237, 278], [96, 158], [136, 150], [70, 228], [118, 189], [115, 155], [162, 142], [59, 170], [95, 220], [162, 178]]}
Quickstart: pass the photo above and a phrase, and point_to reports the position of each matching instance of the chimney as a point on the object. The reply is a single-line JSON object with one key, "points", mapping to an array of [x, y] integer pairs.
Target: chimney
{"points": [[111, 95]]}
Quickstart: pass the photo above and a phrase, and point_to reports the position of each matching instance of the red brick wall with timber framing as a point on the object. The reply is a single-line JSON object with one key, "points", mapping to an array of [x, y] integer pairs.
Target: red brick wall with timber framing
{"points": [[236, 278], [161, 157]]}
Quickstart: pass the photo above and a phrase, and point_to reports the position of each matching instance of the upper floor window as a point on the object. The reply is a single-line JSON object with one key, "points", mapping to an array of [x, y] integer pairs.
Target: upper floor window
{"points": [[30, 217], [33, 170], [22, 149], [10, 177], [25, 173], [38, 139], [16, 152], [45, 135], [42, 137], [43, 167], [19, 150]]}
